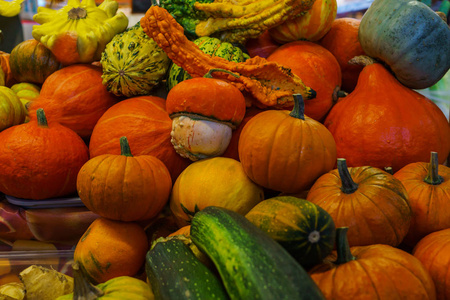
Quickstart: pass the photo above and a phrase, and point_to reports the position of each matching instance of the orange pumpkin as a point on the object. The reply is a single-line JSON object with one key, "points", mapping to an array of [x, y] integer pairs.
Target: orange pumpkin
{"points": [[317, 68], [110, 249], [124, 187], [372, 272], [312, 25], [428, 187], [433, 251], [382, 123], [372, 203], [75, 97], [286, 151], [40, 159], [147, 126], [342, 40], [4, 64]]}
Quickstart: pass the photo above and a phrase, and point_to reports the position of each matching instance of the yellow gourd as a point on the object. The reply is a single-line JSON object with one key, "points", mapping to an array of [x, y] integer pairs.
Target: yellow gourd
{"points": [[10, 9], [79, 32]]}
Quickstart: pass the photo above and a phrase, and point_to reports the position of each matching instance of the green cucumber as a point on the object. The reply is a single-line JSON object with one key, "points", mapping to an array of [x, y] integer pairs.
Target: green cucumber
{"points": [[251, 264], [174, 272]]}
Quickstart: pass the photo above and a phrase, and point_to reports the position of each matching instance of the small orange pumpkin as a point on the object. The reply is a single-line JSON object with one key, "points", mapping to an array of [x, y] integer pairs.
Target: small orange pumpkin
{"points": [[124, 187], [286, 151], [4, 64]]}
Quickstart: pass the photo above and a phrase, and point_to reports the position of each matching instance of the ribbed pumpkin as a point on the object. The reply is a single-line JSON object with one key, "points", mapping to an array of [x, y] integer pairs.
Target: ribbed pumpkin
{"points": [[110, 248], [311, 25], [385, 124], [342, 41], [428, 187], [372, 272], [12, 112], [40, 159], [147, 126], [75, 97], [286, 151], [317, 68], [304, 229], [372, 203], [433, 251], [124, 187], [31, 61], [4, 64], [217, 181]]}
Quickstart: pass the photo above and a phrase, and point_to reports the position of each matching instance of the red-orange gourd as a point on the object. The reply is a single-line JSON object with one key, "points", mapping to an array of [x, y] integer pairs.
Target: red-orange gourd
{"points": [[4, 64], [124, 187], [75, 97], [147, 126], [385, 124], [428, 187], [40, 159], [261, 46], [317, 68], [286, 151], [372, 203]]}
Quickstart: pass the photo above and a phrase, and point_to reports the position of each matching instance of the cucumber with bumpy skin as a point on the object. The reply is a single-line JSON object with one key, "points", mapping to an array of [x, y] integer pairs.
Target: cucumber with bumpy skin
{"points": [[251, 264]]}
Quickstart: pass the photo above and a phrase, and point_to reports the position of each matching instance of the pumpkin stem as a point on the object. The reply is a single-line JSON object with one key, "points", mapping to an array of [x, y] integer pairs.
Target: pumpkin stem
{"points": [[348, 185], [125, 147], [433, 177], [41, 119], [209, 74], [344, 254], [82, 288], [338, 93], [299, 107], [77, 13], [362, 60]]}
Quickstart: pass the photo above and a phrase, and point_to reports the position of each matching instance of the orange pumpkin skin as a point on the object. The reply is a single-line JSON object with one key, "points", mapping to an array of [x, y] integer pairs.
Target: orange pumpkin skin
{"points": [[385, 124], [377, 212], [75, 97], [111, 248], [4, 64], [285, 153], [342, 41], [317, 68], [39, 162], [430, 202], [147, 126], [433, 251]]}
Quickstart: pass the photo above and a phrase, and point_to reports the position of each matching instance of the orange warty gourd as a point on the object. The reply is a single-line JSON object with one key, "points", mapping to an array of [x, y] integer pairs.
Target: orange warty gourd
{"points": [[124, 187], [75, 97], [342, 40], [372, 272], [433, 251], [147, 126], [286, 151], [385, 124], [110, 249], [40, 159], [318, 68], [428, 187], [372, 203]]}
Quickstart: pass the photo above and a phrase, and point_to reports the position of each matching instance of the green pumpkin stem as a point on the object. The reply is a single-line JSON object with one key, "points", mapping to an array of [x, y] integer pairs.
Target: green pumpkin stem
{"points": [[82, 288], [348, 185], [433, 177], [41, 119], [209, 74], [344, 254], [299, 107], [125, 147]]}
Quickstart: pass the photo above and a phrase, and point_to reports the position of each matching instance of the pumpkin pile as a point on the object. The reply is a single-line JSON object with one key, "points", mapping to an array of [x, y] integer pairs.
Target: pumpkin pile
{"points": [[234, 149]]}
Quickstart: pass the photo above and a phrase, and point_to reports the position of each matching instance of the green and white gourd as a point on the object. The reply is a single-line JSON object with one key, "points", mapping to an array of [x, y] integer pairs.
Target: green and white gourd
{"points": [[133, 63]]}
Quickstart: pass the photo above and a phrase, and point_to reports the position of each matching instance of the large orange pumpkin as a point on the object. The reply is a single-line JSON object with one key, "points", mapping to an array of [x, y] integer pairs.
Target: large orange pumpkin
{"points": [[40, 159], [75, 97], [382, 123], [317, 68], [372, 272], [286, 151], [147, 126], [428, 187], [372, 203], [124, 187]]}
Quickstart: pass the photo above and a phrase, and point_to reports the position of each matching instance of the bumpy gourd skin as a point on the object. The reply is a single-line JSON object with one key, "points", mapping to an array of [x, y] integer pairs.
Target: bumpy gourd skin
{"points": [[270, 84], [79, 32]]}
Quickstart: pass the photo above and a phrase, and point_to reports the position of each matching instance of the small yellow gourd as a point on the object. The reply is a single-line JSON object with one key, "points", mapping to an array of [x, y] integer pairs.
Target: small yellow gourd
{"points": [[10, 8]]}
